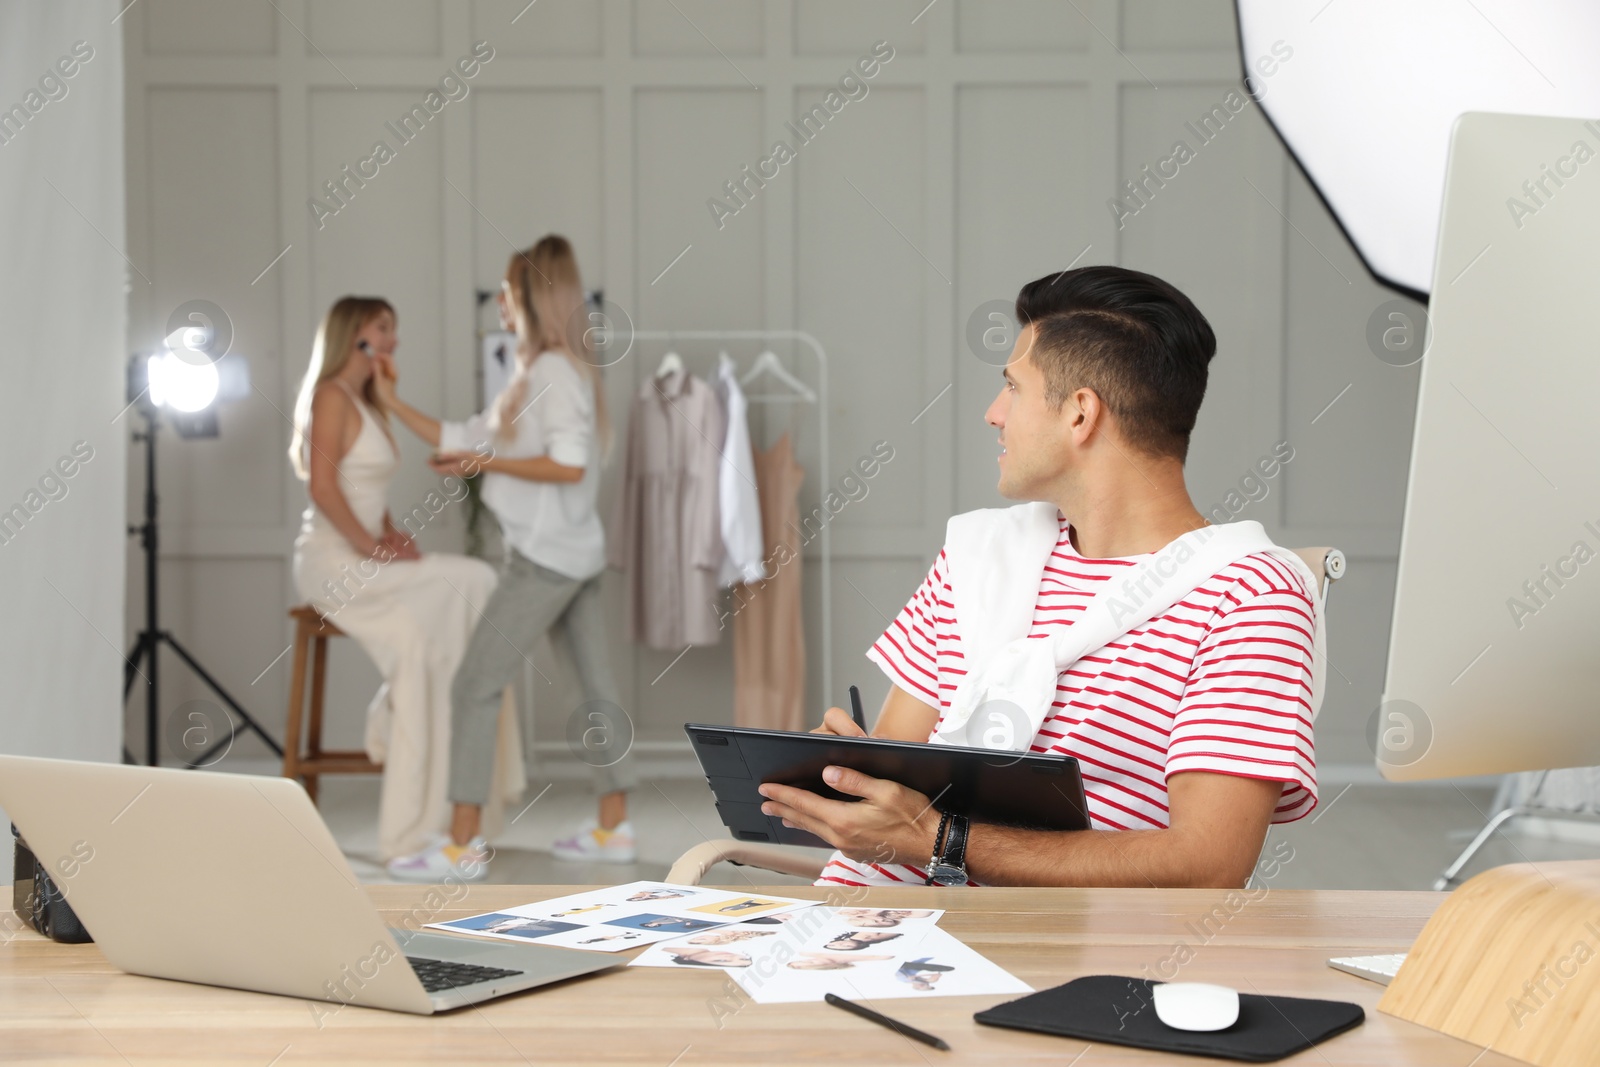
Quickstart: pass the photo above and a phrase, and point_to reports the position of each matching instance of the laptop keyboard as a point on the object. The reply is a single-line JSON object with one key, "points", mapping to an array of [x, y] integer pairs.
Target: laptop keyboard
{"points": [[439, 975]]}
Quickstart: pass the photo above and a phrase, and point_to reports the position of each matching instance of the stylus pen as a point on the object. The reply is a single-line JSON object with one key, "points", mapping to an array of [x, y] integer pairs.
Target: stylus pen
{"points": [[855, 709], [883, 1020]]}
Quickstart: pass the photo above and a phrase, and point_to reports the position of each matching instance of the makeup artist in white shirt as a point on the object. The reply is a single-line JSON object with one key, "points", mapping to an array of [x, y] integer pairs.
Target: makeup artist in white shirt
{"points": [[539, 445]]}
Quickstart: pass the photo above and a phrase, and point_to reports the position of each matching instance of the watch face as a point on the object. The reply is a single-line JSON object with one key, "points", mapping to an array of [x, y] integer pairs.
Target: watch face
{"points": [[944, 874]]}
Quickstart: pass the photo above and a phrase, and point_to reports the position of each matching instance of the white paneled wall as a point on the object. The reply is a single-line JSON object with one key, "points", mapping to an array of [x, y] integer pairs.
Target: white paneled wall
{"points": [[64, 269], [983, 154]]}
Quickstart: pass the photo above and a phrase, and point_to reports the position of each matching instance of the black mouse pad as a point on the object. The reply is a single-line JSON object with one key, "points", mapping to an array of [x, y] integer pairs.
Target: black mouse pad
{"points": [[1120, 1011]]}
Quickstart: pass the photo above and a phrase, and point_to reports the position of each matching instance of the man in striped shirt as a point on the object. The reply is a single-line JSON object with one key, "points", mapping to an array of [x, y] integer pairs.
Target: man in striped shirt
{"points": [[1193, 729]]}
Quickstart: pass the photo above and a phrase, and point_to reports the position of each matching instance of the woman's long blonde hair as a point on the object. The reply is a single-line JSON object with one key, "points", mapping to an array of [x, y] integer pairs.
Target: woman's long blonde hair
{"points": [[547, 298], [331, 351]]}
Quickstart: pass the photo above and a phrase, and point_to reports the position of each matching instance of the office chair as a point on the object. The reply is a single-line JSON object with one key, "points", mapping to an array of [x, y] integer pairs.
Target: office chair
{"points": [[1328, 564]]}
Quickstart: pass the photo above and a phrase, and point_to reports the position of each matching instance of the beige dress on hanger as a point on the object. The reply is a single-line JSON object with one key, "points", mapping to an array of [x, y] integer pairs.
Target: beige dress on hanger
{"points": [[413, 617], [769, 650], [666, 528]]}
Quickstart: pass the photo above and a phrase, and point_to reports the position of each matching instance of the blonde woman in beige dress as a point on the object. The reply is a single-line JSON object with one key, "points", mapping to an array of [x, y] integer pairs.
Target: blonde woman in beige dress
{"points": [[411, 612]]}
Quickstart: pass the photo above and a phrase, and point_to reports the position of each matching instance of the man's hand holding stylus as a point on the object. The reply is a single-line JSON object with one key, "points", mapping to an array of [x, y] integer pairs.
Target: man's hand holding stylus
{"points": [[837, 721]]}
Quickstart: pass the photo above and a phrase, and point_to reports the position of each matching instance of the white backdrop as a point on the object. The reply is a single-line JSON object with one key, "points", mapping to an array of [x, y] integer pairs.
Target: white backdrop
{"points": [[63, 306]]}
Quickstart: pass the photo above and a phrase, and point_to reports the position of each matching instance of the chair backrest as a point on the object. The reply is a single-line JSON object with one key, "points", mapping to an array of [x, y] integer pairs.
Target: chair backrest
{"points": [[1326, 563]]}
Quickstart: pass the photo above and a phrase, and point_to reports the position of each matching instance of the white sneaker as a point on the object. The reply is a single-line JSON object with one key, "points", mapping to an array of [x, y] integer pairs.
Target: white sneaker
{"points": [[590, 844], [443, 860]]}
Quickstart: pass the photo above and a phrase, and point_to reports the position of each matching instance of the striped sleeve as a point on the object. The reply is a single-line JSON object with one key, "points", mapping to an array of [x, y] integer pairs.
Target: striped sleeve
{"points": [[1246, 709], [907, 652]]}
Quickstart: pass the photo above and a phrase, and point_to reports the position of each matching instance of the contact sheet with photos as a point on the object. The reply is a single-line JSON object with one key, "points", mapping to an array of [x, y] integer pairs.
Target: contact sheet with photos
{"points": [[795, 935], [858, 953], [626, 916]]}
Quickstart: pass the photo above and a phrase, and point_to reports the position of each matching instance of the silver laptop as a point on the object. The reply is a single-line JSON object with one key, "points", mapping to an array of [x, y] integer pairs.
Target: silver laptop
{"points": [[234, 880]]}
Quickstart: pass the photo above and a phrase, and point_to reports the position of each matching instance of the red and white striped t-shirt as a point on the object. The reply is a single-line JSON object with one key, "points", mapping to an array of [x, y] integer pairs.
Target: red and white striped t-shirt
{"points": [[1221, 682]]}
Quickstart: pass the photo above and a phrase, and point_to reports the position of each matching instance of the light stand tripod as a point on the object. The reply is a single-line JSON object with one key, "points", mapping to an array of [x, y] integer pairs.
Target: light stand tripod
{"points": [[153, 636]]}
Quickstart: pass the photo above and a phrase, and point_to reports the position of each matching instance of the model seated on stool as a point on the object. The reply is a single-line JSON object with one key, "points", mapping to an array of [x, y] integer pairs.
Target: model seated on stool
{"points": [[413, 613], [1178, 661]]}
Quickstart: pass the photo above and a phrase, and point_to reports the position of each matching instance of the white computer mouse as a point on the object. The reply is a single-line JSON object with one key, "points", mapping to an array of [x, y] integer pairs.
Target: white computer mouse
{"points": [[1196, 1005]]}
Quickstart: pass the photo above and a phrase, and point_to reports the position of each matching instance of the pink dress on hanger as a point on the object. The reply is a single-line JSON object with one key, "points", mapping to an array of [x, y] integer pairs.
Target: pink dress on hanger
{"points": [[769, 648]]}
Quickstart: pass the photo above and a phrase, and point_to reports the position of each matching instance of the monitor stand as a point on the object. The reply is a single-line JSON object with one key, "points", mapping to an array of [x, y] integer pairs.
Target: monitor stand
{"points": [[1529, 808], [1509, 961]]}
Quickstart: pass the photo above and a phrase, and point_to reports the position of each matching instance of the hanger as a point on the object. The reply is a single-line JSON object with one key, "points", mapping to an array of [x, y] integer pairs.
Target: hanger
{"points": [[768, 364], [724, 375], [671, 363]]}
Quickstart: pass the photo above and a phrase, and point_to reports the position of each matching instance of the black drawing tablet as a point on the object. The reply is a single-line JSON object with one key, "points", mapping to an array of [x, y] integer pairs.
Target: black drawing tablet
{"points": [[986, 785]]}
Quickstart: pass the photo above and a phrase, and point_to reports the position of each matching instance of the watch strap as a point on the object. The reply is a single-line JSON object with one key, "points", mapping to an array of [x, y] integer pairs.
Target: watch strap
{"points": [[955, 843]]}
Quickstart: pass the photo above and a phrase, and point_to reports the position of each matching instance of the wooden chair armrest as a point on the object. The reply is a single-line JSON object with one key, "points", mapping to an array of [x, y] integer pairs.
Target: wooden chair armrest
{"points": [[693, 864]]}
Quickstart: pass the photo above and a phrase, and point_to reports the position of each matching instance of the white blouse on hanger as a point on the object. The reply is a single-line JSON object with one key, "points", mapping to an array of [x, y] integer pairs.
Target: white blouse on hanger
{"points": [[736, 487]]}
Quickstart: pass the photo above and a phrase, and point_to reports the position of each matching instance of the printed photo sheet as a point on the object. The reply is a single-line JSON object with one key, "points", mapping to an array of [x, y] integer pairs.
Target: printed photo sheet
{"points": [[626, 916], [769, 942], [940, 966], [864, 954]]}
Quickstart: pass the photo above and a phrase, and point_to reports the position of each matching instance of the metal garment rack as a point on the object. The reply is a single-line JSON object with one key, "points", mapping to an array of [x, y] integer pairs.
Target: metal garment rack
{"points": [[808, 343]]}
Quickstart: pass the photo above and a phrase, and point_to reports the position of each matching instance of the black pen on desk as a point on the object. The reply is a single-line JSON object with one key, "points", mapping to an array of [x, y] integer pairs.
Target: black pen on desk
{"points": [[883, 1020], [855, 709]]}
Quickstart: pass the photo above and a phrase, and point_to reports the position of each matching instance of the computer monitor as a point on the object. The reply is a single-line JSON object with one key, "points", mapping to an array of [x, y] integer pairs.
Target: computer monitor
{"points": [[1494, 651]]}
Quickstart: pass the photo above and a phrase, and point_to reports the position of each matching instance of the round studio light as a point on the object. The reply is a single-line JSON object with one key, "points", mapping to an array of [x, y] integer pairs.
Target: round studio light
{"points": [[180, 385]]}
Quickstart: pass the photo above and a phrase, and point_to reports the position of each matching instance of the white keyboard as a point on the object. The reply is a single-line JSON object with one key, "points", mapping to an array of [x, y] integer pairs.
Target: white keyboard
{"points": [[1376, 968]]}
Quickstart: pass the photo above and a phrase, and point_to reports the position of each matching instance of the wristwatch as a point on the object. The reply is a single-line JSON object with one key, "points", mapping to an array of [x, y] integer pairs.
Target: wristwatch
{"points": [[949, 863]]}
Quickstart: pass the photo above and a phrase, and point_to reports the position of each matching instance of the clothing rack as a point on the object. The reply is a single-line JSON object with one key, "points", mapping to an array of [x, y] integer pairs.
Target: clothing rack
{"points": [[807, 343]]}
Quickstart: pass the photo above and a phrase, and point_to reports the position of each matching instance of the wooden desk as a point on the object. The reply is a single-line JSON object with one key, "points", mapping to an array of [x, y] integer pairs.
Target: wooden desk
{"points": [[65, 1004]]}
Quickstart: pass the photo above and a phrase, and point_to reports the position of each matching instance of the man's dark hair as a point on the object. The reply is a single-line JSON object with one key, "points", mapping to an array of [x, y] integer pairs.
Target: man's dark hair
{"points": [[1139, 343]]}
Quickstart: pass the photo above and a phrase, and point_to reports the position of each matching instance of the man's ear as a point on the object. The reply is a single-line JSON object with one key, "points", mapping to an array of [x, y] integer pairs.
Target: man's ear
{"points": [[1085, 413]]}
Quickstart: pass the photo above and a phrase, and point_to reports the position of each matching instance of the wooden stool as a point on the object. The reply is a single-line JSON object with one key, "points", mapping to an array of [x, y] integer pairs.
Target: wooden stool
{"points": [[311, 633]]}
